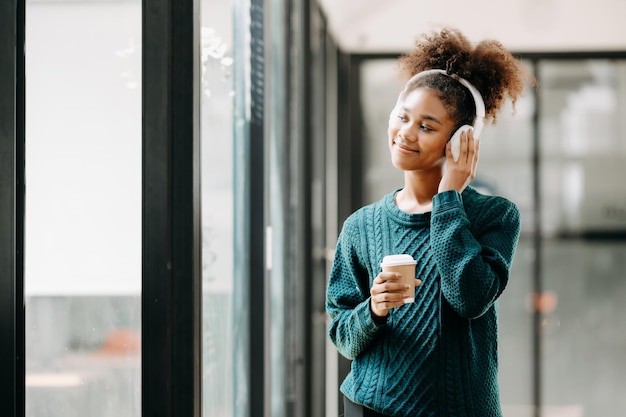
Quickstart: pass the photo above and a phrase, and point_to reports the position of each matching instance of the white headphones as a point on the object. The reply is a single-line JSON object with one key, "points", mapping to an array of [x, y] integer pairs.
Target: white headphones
{"points": [[478, 101]]}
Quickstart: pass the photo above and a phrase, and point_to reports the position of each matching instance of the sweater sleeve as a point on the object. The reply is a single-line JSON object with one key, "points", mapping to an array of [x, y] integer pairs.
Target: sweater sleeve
{"points": [[473, 260], [352, 327]]}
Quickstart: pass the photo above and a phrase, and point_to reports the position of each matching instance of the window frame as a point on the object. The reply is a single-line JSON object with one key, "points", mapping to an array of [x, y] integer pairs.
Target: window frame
{"points": [[12, 111]]}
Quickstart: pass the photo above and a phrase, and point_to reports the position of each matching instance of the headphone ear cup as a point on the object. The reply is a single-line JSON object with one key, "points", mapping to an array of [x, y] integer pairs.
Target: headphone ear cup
{"points": [[455, 140]]}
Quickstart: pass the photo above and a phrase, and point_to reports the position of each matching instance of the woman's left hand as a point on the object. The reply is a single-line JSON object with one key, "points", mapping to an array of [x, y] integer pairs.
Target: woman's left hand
{"points": [[460, 173]]}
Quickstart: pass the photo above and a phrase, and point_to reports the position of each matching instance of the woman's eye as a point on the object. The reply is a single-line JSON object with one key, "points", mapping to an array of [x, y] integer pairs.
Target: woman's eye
{"points": [[402, 118], [425, 128]]}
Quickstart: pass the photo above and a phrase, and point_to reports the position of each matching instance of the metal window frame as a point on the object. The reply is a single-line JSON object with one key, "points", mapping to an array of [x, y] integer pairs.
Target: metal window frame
{"points": [[249, 301], [12, 110], [171, 275]]}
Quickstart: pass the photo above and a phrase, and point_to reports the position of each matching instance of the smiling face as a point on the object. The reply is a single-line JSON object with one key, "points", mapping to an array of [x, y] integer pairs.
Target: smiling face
{"points": [[418, 131]]}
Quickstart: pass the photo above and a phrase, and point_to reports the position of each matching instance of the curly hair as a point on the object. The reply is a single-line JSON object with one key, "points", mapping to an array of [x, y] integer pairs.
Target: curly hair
{"points": [[494, 72]]}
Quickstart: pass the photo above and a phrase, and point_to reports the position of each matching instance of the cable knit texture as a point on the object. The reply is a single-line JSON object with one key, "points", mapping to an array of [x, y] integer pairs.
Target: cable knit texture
{"points": [[438, 356]]}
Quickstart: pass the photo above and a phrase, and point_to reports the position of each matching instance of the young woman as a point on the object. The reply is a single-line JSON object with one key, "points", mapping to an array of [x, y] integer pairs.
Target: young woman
{"points": [[436, 356]]}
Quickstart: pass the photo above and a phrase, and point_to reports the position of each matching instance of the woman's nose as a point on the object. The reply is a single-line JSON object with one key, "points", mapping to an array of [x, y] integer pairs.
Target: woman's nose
{"points": [[407, 135]]}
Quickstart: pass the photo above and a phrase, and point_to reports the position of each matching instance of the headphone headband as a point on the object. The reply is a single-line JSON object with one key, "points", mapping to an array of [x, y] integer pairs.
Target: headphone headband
{"points": [[478, 99]]}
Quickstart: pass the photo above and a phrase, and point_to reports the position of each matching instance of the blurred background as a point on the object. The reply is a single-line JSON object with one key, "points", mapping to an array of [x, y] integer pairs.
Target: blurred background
{"points": [[330, 80]]}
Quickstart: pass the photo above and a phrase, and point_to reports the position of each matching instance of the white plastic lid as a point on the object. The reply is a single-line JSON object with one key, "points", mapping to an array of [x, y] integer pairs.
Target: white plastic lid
{"points": [[403, 259]]}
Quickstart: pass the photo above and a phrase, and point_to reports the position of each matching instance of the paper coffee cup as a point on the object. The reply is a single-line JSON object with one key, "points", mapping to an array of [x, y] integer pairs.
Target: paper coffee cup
{"points": [[405, 265]]}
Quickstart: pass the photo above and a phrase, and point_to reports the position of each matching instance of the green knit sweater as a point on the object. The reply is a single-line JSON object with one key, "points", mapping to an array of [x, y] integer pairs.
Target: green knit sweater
{"points": [[438, 356]]}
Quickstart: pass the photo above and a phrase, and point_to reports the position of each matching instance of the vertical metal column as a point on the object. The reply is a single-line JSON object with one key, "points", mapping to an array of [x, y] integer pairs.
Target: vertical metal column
{"points": [[256, 212], [331, 218], [171, 297], [297, 282], [12, 92], [348, 173], [249, 315], [315, 315]]}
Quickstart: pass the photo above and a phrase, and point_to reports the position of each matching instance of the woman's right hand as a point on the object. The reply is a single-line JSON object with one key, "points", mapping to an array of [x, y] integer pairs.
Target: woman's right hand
{"points": [[388, 291], [460, 173]]}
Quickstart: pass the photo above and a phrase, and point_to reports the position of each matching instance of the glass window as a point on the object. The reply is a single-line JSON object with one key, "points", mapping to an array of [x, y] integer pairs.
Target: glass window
{"points": [[583, 145], [216, 132], [83, 208]]}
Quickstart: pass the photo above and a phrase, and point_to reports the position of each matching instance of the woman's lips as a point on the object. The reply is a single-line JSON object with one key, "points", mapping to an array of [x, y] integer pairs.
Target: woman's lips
{"points": [[405, 148]]}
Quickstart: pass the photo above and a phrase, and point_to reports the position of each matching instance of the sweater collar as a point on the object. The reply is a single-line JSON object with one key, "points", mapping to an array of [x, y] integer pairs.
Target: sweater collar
{"points": [[407, 219]]}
